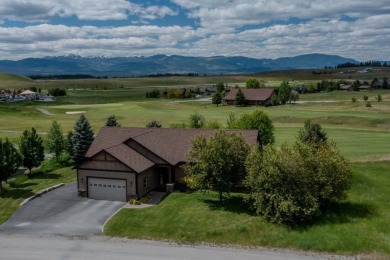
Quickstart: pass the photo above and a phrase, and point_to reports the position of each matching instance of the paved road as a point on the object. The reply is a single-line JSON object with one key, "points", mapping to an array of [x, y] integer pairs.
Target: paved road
{"points": [[61, 212], [55, 247]]}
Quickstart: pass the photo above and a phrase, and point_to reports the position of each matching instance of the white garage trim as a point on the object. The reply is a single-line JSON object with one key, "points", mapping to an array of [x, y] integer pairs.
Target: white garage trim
{"points": [[107, 189]]}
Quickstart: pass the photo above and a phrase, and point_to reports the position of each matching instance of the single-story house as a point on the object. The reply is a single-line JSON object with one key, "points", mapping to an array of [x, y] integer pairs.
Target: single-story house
{"points": [[253, 96], [346, 87], [126, 162], [365, 87]]}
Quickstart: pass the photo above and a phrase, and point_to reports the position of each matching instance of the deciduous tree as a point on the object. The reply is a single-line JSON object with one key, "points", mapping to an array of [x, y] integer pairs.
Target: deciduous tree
{"points": [[55, 141], [216, 163], [257, 120], [32, 149], [292, 184], [252, 83], [284, 92], [10, 160], [196, 120]]}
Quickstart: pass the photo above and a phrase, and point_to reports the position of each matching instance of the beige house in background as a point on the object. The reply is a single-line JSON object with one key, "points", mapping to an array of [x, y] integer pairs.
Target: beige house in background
{"points": [[127, 162]]}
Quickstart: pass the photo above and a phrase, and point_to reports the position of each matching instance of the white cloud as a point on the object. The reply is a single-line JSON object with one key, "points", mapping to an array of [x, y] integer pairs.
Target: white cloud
{"points": [[226, 27], [92, 10], [237, 13]]}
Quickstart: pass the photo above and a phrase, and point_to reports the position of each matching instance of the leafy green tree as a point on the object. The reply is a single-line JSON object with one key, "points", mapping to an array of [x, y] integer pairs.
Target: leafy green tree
{"points": [[32, 149], [217, 163], [82, 138], [294, 96], [220, 87], [274, 100], [10, 160], [178, 93], [312, 133], [252, 83], [240, 99], [55, 141], [187, 93], [379, 98], [292, 184], [353, 99], [171, 93], [230, 121], [217, 98], [365, 97], [196, 120], [355, 85], [257, 120], [112, 121], [284, 92], [385, 84], [153, 124]]}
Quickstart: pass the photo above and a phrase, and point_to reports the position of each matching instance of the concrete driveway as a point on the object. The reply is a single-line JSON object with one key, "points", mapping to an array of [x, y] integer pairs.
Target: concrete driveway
{"points": [[61, 212]]}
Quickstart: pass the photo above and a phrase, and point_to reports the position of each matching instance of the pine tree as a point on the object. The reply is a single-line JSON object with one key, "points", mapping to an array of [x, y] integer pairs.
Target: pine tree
{"points": [[240, 98], [55, 141], [82, 138], [217, 98], [32, 149], [111, 121]]}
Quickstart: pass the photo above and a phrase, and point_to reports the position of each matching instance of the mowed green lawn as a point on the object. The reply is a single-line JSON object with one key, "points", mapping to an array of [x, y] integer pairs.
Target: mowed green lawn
{"points": [[359, 225], [359, 131]]}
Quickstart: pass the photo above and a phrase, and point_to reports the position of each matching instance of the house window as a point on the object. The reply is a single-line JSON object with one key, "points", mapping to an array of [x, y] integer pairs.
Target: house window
{"points": [[145, 182]]}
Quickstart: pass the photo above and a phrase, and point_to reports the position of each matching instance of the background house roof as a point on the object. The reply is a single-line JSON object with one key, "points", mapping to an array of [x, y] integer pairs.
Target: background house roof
{"points": [[170, 144], [251, 94]]}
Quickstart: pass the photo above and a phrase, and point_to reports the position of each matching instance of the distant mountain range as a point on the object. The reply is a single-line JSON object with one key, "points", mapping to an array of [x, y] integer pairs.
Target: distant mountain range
{"points": [[136, 66]]}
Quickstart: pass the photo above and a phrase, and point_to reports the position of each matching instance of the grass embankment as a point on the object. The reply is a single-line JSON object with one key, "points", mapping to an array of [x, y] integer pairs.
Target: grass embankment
{"points": [[23, 187], [361, 224]]}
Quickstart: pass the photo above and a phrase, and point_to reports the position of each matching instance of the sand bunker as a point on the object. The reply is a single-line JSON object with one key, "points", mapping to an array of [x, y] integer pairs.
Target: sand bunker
{"points": [[75, 112]]}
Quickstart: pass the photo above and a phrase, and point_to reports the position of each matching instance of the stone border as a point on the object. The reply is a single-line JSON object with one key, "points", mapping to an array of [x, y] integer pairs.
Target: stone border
{"points": [[40, 193]]}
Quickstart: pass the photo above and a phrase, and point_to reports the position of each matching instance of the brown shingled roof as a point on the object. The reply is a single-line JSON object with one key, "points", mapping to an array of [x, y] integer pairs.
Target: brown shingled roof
{"points": [[130, 157], [251, 94], [170, 144]]}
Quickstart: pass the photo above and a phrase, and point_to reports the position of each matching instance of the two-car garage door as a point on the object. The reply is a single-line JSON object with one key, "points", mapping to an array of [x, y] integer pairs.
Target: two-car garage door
{"points": [[106, 189]]}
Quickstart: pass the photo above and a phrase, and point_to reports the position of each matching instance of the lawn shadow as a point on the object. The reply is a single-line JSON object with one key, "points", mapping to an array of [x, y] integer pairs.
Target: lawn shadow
{"points": [[345, 211], [17, 193], [341, 213], [45, 176], [22, 185], [233, 203]]}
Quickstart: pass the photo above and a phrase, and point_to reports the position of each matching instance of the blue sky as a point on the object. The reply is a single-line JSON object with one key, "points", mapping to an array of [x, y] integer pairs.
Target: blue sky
{"points": [[253, 28]]}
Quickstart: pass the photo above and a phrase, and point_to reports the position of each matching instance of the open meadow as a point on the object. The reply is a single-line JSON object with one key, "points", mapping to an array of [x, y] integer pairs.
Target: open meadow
{"points": [[359, 225]]}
